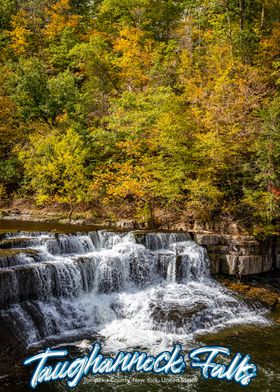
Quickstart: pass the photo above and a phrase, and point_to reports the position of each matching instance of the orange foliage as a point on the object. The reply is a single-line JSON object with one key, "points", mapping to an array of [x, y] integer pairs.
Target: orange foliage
{"points": [[121, 180], [136, 56], [273, 190], [60, 18]]}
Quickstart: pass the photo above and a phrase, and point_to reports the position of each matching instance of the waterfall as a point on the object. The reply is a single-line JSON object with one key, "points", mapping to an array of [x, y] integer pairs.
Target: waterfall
{"points": [[134, 289]]}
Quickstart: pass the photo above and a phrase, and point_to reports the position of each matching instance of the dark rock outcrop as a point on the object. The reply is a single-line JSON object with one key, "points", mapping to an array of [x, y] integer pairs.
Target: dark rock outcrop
{"points": [[240, 254]]}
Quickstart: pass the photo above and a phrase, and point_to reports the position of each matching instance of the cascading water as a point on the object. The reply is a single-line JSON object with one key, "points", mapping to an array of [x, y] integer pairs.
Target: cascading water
{"points": [[146, 290]]}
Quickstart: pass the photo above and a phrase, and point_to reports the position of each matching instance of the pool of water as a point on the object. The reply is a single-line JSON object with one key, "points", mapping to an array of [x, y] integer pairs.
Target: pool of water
{"points": [[7, 225], [262, 343]]}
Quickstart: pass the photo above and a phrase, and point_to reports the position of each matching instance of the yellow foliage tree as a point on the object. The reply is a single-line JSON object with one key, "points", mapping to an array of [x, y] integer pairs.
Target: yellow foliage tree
{"points": [[134, 58], [20, 33], [60, 18]]}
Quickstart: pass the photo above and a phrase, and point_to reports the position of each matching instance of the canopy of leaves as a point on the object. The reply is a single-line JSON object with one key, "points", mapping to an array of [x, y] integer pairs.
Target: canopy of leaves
{"points": [[148, 104]]}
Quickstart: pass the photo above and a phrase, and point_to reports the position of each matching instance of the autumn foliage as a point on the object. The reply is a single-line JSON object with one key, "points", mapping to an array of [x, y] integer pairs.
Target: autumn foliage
{"points": [[166, 105]]}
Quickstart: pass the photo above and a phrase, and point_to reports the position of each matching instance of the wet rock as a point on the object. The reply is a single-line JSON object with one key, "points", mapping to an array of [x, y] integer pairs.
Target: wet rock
{"points": [[250, 265], [179, 268], [12, 346], [208, 239], [242, 265], [127, 224], [266, 295], [217, 261], [231, 266], [12, 257], [18, 243], [278, 261], [267, 261], [175, 313], [217, 249]]}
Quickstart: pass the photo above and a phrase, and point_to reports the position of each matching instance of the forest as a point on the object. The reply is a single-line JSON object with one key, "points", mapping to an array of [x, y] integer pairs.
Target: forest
{"points": [[139, 106]]}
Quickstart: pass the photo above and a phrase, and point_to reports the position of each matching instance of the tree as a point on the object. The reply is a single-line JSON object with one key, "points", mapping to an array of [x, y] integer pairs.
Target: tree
{"points": [[56, 170], [10, 135], [144, 15], [151, 136], [43, 96], [262, 194], [162, 105], [134, 52], [60, 17]]}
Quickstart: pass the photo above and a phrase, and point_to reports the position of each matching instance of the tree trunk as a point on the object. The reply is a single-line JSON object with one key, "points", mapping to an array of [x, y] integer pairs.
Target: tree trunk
{"points": [[152, 217], [242, 13], [72, 208], [263, 17]]}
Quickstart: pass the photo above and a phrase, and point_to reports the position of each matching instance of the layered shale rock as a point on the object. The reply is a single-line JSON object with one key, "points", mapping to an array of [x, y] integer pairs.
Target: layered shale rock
{"points": [[240, 254]]}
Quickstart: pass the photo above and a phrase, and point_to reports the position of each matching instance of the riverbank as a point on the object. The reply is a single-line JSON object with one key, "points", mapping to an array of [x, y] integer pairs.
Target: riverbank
{"points": [[118, 218]]}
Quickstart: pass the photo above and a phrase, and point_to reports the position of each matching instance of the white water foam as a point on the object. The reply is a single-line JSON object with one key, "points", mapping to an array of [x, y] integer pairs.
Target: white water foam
{"points": [[136, 290]]}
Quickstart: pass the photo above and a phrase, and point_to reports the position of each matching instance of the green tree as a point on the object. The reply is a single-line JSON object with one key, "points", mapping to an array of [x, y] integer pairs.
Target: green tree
{"points": [[262, 194], [56, 169], [42, 96], [151, 135]]}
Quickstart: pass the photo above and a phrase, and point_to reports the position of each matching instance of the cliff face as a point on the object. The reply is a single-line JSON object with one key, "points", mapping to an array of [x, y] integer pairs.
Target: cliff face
{"points": [[240, 254]]}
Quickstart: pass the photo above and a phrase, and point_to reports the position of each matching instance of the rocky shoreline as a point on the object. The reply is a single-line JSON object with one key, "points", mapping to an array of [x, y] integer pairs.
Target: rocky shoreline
{"points": [[261, 288]]}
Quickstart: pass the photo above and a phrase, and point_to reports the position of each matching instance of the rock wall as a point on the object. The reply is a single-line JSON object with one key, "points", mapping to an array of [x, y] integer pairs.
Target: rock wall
{"points": [[240, 254]]}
